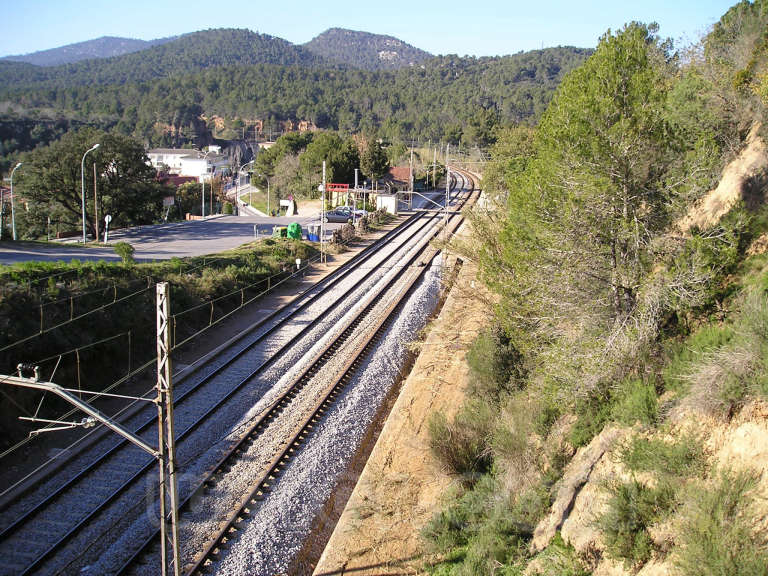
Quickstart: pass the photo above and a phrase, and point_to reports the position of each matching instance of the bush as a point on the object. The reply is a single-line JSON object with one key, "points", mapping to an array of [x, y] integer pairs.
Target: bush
{"points": [[683, 458], [593, 412], [125, 251], [632, 508], [496, 365], [559, 559], [635, 401], [347, 232], [632, 401], [482, 532], [681, 356], [718, 537], [463, 445]]}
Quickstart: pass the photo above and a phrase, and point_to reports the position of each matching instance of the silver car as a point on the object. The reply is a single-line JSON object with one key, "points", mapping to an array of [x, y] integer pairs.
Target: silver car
{"points": [[341, 214]]}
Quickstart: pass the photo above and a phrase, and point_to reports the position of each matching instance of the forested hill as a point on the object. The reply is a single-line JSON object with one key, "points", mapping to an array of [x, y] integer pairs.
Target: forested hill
{"points": [[365, 50], [445, 97], [187, 54], [104, 47]]}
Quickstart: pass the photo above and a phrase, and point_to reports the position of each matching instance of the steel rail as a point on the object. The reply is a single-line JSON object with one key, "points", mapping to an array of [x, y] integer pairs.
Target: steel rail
{"points": [[327, 283], [291, 447], [267, 417], [149, 463], [144, 468]]}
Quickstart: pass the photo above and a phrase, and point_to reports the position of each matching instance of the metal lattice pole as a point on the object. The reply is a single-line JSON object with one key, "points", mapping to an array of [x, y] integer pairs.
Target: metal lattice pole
{"points": [[169, 522]]}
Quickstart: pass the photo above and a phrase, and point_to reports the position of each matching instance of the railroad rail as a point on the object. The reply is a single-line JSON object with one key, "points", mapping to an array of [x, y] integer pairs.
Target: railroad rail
{"points": [[305, 428], [35, 558]]}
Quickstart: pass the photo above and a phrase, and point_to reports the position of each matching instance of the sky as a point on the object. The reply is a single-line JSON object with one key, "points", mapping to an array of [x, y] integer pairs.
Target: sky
{"points": [[475, 27]]}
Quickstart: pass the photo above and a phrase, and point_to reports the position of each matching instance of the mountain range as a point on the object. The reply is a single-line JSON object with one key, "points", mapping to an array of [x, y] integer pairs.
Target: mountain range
{"points": [[336, 45], [222, 82], [104, 47]]}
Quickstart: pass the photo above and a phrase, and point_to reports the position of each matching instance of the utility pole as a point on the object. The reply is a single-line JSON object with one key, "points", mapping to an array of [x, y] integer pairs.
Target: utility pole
{"points": [[169, 526], [95, 202], [434, 166], [354, 195], [165, 453], [322, 219], [410, 177], [447, 186]]}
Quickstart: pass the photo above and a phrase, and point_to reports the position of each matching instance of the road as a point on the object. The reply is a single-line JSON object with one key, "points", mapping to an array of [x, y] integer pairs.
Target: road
{"points": [[158, 242], [176, 239]]}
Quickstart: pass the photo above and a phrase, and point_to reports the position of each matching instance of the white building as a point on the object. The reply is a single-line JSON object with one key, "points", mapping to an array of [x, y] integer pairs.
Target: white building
{"points": [[187, 162]]}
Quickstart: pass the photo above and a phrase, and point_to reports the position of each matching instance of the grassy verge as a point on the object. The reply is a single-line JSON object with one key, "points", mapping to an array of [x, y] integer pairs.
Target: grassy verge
{"points": [[91, 324]]}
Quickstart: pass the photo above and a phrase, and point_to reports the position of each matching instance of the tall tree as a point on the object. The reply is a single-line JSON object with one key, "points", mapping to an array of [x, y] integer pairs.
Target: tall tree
{"points": [[582, 215], [126, 183], [373, 160]]}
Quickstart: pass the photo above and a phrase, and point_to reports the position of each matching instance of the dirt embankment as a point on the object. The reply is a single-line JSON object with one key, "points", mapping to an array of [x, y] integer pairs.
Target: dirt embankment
{"points": [[402, 485], [737, 444], [742, 180]]}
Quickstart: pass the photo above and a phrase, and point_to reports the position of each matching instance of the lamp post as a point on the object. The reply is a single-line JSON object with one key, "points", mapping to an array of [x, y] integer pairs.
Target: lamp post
{"points": [[239, 174], [82, 182], [202, 195], [13, 215]]}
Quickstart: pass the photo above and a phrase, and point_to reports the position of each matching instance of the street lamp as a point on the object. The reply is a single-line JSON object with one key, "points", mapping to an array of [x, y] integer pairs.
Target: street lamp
{"points": [[239, 173], [237, 186], [82, 182], [13, 215], [202, 195]]}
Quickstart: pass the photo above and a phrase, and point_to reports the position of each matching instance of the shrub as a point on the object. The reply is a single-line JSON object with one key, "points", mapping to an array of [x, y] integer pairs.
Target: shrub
{"points": [[347, 232], [559, 559], [681, 356], [684, 457], [632, 508], [482, 532], [635, 401], [125, 251], [463, 445], [496, 365], [718, 537], [593, 412]]}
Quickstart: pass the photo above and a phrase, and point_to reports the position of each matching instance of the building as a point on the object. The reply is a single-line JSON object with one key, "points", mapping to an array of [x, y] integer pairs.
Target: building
{"points": [[307, 126], [187, 162]]}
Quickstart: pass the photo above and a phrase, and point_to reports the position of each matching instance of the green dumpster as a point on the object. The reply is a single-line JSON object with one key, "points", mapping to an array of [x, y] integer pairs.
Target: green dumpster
{"points": [[294, 230]]}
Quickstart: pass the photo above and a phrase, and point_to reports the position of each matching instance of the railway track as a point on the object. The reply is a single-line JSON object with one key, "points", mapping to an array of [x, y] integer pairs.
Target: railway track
{"points": [[303, 431], [45, 523]]}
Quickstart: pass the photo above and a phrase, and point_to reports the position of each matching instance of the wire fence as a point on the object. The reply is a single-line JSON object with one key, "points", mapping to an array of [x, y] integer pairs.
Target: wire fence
{"points": [[131, 352]]}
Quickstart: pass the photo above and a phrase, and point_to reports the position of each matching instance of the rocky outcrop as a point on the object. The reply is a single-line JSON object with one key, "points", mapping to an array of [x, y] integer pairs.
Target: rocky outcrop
{"points": [[743, 179], [577, 495]]}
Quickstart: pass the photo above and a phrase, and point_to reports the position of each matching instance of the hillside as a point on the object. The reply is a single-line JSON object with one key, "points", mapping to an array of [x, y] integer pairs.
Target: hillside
{"points": [[239, 77], [365, 50], [185, 55], [617, 407], [104, 47]]}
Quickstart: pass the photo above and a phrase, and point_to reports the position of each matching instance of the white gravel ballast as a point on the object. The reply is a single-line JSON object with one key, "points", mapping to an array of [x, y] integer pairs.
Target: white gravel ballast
{"points": [[278, 528]]}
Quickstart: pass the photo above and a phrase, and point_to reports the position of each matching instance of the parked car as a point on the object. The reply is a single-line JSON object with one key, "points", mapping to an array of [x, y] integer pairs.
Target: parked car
{"points": [[340, 214], [359, 213]]}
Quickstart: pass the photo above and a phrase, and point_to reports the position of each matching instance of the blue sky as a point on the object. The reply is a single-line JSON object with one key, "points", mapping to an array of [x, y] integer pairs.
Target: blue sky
{"points": [[479, 27]]}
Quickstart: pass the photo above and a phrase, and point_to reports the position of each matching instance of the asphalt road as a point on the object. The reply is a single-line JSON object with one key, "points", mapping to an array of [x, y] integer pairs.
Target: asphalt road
{"points": [[158, 242], [176, 239]]}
